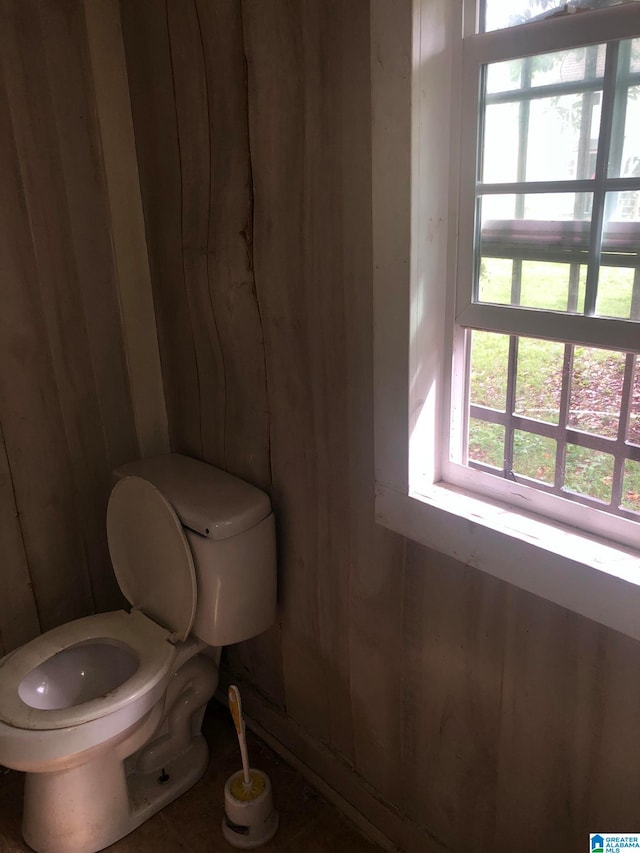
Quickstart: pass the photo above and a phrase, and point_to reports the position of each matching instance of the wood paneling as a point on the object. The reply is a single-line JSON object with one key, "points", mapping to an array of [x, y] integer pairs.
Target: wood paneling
{"points": [[293, 55], [131, 263], [65, 407], [187, 75], [186, 71], [428, 693]]}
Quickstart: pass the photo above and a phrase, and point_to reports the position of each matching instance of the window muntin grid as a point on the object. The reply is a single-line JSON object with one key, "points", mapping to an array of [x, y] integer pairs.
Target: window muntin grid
{"points": [[568, 190], [584, 444]]}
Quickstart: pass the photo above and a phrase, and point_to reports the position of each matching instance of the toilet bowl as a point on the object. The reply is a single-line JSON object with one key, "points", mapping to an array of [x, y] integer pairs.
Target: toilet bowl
{"points": [[104, 713]]}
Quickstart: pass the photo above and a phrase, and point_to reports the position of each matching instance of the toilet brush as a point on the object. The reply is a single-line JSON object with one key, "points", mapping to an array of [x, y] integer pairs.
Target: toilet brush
{"points": [[249, 817]]}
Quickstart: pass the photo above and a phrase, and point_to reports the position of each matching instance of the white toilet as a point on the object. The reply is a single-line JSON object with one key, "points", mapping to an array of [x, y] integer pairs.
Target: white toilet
{"points": [[104, 713]]}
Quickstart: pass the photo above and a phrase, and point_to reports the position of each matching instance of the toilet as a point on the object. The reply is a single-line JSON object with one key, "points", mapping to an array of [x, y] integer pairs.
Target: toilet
{"points": [[104, 714]]}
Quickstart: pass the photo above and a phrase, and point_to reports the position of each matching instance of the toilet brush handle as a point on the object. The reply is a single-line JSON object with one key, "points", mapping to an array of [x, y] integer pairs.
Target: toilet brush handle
{"points": [[235, 706]]}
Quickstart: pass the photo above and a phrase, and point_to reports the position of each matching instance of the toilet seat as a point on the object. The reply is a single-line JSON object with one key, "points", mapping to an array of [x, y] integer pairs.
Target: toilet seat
{"points": [[151, 558], [148, 640], [154, 566]]}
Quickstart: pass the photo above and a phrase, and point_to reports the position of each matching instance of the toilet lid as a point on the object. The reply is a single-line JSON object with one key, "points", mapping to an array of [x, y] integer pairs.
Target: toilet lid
{"points": [[151, 557]]}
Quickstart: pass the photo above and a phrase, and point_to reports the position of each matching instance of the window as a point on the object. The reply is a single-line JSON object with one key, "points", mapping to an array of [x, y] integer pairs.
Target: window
{"points": [[546, 390], [506, 242]]}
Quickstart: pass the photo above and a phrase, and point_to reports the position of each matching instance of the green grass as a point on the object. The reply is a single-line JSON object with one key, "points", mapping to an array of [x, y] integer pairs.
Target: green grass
{"points": [[589, 472], [546, 285]]}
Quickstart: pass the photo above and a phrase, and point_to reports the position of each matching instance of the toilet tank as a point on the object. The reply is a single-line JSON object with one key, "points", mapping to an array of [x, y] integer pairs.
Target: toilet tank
{"points": [[231, 532]]}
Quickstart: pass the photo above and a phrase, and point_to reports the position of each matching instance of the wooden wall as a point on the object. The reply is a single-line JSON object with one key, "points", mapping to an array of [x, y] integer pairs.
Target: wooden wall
{"points": [[457, 712], [65, 408]]}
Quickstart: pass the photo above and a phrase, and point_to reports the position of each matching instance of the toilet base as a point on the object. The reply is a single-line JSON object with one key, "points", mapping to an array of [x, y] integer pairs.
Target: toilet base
{"points": [[150, 792], [87, 808], [89, 805]]}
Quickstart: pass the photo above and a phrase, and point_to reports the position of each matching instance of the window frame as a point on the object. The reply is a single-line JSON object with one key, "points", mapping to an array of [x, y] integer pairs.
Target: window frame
{"points": [[541, 37], [416, 53]]}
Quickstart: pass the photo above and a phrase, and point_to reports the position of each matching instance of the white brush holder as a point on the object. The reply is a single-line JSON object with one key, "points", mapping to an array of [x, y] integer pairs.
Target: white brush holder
{"points": [[249, 823]]}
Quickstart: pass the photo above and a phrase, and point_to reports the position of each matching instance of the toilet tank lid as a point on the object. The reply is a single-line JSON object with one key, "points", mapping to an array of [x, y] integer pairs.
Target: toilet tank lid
{"points": [[207, 500]]}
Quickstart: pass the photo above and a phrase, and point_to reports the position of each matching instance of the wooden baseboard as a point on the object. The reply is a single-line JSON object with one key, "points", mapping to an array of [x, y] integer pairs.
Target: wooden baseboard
{"points": [[331, 776]]}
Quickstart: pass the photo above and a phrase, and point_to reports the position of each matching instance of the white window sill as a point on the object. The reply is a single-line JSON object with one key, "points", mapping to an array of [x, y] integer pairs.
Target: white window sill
{"points": [[585, 574]]}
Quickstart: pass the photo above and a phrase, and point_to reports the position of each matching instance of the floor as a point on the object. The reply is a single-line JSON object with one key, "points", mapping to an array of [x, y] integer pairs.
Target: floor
{"points": [[191, 824]]}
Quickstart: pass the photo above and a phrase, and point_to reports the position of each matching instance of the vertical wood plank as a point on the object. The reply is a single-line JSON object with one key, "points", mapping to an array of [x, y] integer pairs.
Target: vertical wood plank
{"points": [[192, 117], [30, 413], [612, 783], [232, 291], [454, 626], [272, 45], [148, 54], [65, 403], [18, 613], [550, 713], [37, 142], [69, 78], [296, 142], [111, 438], [324, 247], [376, 556], [106, 67], [231, 282]]}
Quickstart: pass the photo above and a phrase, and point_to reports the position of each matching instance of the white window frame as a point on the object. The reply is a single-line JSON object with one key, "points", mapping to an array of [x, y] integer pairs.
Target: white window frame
{"points": [[416, 77], [534, 39]]}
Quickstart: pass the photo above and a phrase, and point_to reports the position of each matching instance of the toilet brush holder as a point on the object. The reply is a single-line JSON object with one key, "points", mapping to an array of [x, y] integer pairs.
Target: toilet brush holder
{"points": [[249, 816]]}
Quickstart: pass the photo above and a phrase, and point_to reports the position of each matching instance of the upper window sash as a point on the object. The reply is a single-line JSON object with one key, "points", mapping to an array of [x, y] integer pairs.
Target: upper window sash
{"points": [[541, 37]]}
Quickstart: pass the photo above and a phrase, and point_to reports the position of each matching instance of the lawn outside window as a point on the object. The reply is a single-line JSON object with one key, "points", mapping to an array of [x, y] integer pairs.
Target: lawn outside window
{"points": [[506, 215]]}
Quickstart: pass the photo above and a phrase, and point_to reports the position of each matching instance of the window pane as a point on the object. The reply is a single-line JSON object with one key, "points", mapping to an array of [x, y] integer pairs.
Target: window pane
{"points": [[550, 137], [486, 443], [549, 286], [563, 66], [551, 254], [504, 76], [541, 207], [624, 160], [633, 428], [588, 472], [500, 144], [534, 456], [559, 136], [488, 385], [569, 66], [509, 13], [496, 275], [498, 14], [635, 55], [596, 391], [556, 128], [539, 379], [622, 229], [619, 278], [615, 292], [631, 486]]}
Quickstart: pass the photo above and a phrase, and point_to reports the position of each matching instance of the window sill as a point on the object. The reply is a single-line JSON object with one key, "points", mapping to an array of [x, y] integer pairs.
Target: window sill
{"points": [[585, 574]]}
